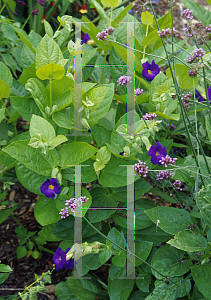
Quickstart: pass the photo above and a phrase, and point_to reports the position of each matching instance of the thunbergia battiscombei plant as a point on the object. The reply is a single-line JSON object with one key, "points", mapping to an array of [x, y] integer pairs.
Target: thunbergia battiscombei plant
{"points": [[117, 145]]}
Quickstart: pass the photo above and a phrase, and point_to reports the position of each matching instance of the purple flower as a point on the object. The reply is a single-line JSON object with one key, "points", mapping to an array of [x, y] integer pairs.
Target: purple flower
{"points": [[187, 14], [164, 175], [149, 116], [60, 261], [72, 203], [22, 2], [167, 32], [138, 92], [86, 38], [198, 95], [157, 152], [130, 11], [50, 188], [42, 2], [196, 55], [167, 160], [150, 70], [177, 185], [172, 126], [35, 12], [141, 169], [123, 79]]}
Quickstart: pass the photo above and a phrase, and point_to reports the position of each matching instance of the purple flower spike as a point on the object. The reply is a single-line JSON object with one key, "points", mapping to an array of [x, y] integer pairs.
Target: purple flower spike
{"points": [[50, 188], [150, 70], [177, 185], [35, 12], [157, 152], [85, 39], [42, 2], [22, 2], [123, 80]]}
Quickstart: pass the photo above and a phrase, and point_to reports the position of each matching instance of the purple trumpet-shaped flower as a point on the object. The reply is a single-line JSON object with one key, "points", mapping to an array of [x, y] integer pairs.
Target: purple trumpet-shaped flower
{"points": [[150, 70], [60, 261], [85, 39], [157, 152], [50, 188]]}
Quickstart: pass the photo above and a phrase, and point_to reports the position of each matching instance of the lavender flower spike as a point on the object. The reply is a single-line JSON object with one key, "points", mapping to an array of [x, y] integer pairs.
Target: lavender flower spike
{"points": [[167, 160], [124, 79]]}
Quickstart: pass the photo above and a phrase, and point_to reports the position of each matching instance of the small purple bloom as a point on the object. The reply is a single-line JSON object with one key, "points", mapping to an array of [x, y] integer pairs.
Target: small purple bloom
{"points": [[150, 70], [22, 2], [141, 169], [149, 116], [172, 126], [138, 92], [42, 2], [86, 38], [167, 160], [123, 80], [35, 12], [130, 11], [164, 175], [50, 188], [177, 185], [157, 152], [89, 130]]}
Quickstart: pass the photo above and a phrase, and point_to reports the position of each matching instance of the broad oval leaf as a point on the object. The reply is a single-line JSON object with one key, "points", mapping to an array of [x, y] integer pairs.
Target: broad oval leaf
{"points": [[50, 71]]}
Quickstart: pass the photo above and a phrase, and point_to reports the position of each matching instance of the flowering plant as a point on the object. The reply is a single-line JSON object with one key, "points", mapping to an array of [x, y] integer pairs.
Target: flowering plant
{"points": [[112, 129]]}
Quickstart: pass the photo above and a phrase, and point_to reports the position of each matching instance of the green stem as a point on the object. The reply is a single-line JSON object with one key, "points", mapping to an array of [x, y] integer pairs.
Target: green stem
{"points": [[104, 67], [5, 108], [204, 229], [111, 16], [97, 278], [30, 19], [29, 16], [145, 46], [3, 7], [167, 131], [18, 222], [53, 158], [131, 253], [109, 225], [179, 97], [41, 248]]}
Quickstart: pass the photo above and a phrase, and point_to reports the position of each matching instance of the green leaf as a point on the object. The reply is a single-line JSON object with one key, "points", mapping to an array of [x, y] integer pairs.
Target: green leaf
{"points": [[119, 289], [62, 290], [142, 250], [105, 255], [152, 234], [163, 291], [48, 51], [39, 125], [169, 261], [30, 157], [202, 277], [50, 71], [102, 97], [150, 39], [204, 204], [62, 120], [143, 284], [170, 219], [85, 289], [100, 10], [100, 198], [143, 82], [39, 93], [48, 29], [146, 18], [25, 106], [115, 174], [102, 158], [111, 3], [116, 237], [29, 179], [5, 213], [21, 251], [5, 268], [46, 212], [5, 74], [75, 153], [4, 89], [57, 141], [199, 12], [3, 277], [185, 81], [23, 36], [208, 127], [119, 259], [189, 241], [121, 15]]}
